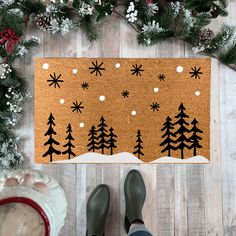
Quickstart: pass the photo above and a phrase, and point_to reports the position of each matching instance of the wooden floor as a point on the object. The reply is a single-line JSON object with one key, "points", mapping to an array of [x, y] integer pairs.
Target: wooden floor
{"points": [[194, 200]]}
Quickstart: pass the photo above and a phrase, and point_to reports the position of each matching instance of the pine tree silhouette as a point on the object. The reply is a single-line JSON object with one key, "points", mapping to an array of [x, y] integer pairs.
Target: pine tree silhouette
{"points": [[182, 140], [69, 144], [102, 135], [138, 148], [195, 138], [51, 150], [168, 126], [112, 141], [92, 146]]}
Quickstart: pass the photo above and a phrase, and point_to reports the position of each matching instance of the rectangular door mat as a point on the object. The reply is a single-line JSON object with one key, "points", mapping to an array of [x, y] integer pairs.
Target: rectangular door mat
{"points": [[97, 110]]}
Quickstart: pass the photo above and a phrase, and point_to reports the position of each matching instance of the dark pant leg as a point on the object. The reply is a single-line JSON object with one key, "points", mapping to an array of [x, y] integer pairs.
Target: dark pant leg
{"points": [[140, 233]]}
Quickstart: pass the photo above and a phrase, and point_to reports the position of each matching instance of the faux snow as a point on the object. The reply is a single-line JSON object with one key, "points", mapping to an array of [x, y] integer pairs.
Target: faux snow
{"points": [[125, 157]]}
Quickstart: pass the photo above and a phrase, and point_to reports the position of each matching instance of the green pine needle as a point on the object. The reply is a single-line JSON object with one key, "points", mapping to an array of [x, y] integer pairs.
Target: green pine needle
{"points": [[221, 39], [229, 56]]}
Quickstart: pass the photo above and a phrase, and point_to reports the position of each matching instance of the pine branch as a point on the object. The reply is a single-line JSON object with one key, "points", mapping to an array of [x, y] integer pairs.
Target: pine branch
{"points": [[229, 56], [31, 6], [202, 20], [220, 40], [87, 27]]}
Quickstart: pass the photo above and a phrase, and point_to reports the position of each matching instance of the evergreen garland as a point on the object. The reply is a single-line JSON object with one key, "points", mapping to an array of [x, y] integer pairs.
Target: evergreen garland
{"points": [[153, 20]]}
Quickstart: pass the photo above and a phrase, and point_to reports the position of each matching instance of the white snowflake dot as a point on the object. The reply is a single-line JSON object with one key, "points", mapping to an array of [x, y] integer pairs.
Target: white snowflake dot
{"points": [[117, 65], [74, 71], [179, 69], [133, 113], [81, 125], [62, 101], [156, 90], [197, 93], [102, 98], [45, 66]]}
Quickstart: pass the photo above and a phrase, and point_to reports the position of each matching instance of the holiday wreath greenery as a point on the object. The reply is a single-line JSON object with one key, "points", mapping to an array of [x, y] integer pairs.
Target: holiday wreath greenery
{"points": [[153, 20]]}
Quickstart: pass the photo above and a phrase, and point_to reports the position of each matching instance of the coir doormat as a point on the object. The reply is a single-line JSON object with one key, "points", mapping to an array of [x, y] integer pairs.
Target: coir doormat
{"points": [[97, 110]]}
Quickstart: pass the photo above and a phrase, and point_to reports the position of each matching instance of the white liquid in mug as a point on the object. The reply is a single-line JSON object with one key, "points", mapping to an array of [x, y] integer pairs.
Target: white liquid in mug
{"points": [[18, 219]]}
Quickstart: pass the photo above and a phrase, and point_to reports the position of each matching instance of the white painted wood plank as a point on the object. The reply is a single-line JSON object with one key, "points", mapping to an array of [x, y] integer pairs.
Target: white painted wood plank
{"points": [[67, 178], [165, 200], [149, 211], [195, 200], [181, 224], [81, 197], [227, 86], [212, 172]]}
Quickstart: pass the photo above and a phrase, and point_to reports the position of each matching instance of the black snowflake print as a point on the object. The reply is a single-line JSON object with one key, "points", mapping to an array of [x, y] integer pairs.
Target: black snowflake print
{"points": [[55, 80], [96, 68], [161, 77], [125, 93], [77, 107], [85, 85], [155, 106], [196, 72], [137, 70]]}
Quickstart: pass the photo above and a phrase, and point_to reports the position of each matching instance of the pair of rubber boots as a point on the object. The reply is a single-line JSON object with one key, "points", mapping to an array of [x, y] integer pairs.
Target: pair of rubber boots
{"points": [[99, 201]]}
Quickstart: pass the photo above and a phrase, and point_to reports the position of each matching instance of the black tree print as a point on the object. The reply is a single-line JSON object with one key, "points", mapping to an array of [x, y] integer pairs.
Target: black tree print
{"points": [[102, 135], [195, 138], [138, 148], [93, 139], [112, 140], [69, 145], [182, 140], [168, 135], [51, 141]]}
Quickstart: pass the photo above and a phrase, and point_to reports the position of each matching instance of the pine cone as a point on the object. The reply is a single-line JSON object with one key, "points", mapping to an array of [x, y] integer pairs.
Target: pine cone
{"points": [[204, 37], [215, 12], [43, 21]]}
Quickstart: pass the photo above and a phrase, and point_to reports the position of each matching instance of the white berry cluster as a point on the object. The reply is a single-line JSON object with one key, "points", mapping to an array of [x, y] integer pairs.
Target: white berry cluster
{"points": [[5, 69], [131, 15], [85, 9], [14, 103]]}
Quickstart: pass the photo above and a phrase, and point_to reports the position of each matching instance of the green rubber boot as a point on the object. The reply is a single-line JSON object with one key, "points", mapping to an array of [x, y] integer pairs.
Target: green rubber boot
{"points": [[135, 194], [97, 209]]}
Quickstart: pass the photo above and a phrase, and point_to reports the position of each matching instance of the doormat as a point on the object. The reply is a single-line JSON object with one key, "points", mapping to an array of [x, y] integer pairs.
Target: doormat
{"points": [[97, 110]]}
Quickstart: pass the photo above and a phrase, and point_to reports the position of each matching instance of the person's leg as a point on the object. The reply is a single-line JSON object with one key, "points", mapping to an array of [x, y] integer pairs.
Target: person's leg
{"points": [[97, 209], [135, 194]]}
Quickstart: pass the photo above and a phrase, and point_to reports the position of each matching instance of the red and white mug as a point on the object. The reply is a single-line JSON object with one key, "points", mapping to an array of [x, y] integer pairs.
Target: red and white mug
{"points": [[31, 203]]}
